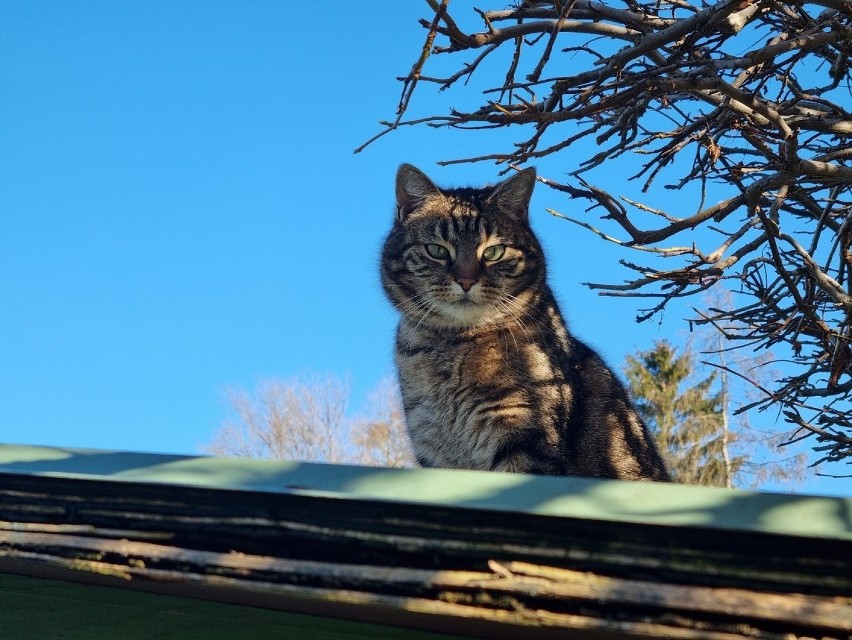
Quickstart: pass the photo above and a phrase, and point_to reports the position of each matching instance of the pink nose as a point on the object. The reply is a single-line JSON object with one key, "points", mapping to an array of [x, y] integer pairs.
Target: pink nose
{"points": [[466, 283]]}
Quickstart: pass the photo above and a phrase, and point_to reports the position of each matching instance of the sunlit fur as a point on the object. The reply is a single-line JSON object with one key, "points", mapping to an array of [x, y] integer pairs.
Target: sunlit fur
{"points": [[490, 376]]}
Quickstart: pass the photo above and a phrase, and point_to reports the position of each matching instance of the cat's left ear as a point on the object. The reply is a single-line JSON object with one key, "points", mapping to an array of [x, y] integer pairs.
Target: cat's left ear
{"points": [[513, 195]]}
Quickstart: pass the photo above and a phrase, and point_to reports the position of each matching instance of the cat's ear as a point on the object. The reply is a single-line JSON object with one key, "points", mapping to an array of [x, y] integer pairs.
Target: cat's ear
{"points": [[513, 194], [413, 188]]}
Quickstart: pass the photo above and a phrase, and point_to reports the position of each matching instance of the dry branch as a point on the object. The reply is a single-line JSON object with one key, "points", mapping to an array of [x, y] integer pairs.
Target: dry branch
{"points": [[751, 100]]}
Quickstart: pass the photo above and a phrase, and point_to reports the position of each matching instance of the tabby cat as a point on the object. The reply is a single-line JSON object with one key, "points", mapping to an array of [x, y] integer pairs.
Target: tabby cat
{"points": [[490, 377]]}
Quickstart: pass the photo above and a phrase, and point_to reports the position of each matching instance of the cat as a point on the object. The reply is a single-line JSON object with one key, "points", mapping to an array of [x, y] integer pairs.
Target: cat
{"points": [[490, 377]]}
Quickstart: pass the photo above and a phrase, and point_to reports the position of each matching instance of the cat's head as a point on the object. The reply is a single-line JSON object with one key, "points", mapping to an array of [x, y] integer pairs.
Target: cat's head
{"points": [[459, 258]]}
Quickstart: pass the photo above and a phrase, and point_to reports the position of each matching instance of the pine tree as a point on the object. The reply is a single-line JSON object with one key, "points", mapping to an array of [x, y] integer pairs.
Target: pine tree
{"points": [[687, 416]]}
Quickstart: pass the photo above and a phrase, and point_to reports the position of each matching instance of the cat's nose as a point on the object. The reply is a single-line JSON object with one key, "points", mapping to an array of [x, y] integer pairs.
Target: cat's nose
{"points": [[466, 283], [466, 272]]}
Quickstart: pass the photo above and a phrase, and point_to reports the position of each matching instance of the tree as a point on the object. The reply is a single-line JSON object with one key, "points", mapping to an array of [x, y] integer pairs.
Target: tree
{"points": [[686, 416], [305, 419], [381, 438], [766, 456], [295, 420], [693, 417], [745, 104]]}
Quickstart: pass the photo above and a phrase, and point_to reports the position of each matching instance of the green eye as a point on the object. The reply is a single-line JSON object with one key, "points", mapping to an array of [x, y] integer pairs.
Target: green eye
{"points": [[494, 252], [437, 251]]}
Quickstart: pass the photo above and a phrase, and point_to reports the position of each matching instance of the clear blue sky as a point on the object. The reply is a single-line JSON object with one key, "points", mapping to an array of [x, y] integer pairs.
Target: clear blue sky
{"points": [[181, 211]]}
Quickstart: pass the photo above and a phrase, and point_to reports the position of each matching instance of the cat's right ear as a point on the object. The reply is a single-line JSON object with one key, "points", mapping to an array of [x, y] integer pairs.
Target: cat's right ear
{"points": [[413, 188]]}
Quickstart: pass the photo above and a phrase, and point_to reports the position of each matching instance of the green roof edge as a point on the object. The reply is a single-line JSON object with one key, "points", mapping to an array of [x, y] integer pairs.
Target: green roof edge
{"points": [[661, 504]]}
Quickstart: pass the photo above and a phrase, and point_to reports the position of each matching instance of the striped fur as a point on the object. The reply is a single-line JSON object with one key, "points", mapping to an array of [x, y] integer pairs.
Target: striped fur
{"points": [[490, 376]]}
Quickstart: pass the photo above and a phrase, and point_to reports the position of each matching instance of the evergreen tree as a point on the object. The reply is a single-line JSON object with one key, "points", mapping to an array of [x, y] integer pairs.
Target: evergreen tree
{"points": [[686, 416]]}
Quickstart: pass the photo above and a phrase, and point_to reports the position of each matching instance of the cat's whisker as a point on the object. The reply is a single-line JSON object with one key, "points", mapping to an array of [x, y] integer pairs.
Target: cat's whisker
{"points": [[514, 341], [427, 311], [515, 306], [519, 305], [504, 304]]}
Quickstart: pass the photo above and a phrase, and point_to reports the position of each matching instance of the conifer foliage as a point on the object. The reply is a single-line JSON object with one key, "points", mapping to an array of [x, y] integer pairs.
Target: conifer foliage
{"points": [[685, 414], [694, 409]]}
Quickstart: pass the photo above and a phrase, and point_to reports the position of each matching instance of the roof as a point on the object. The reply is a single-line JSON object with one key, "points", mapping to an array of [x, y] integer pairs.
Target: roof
{"points": [[468, 553]]}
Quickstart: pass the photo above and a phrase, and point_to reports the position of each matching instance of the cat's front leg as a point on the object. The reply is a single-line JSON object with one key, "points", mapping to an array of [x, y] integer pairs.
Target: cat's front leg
{"points": [[527, 449]]}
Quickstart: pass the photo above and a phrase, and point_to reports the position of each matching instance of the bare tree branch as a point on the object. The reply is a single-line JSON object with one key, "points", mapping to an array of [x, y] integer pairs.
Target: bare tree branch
{"points": [[748, 100]]}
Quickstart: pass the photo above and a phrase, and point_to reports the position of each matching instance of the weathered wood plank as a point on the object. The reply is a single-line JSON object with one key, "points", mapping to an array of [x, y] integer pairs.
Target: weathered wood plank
{"points": [[433, 537], [524, 582]]}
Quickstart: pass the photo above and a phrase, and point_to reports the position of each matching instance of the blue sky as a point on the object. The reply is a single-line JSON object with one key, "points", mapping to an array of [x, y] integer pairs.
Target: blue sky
{"points": [[182, 212]]}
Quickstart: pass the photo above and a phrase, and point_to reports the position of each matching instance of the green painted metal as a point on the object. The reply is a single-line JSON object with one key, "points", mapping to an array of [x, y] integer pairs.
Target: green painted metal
{"points": [[635, 502], [37, 608]]}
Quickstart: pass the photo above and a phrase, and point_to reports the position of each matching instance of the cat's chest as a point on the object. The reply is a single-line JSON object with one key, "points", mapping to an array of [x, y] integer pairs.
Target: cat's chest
{"points": [[451, 374], [446, 362], [462, 395], [444, 384]]}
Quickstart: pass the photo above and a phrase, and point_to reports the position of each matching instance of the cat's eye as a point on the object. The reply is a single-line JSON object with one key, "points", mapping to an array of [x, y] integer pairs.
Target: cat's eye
{"points": [[494, 252], [437, 251]]}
